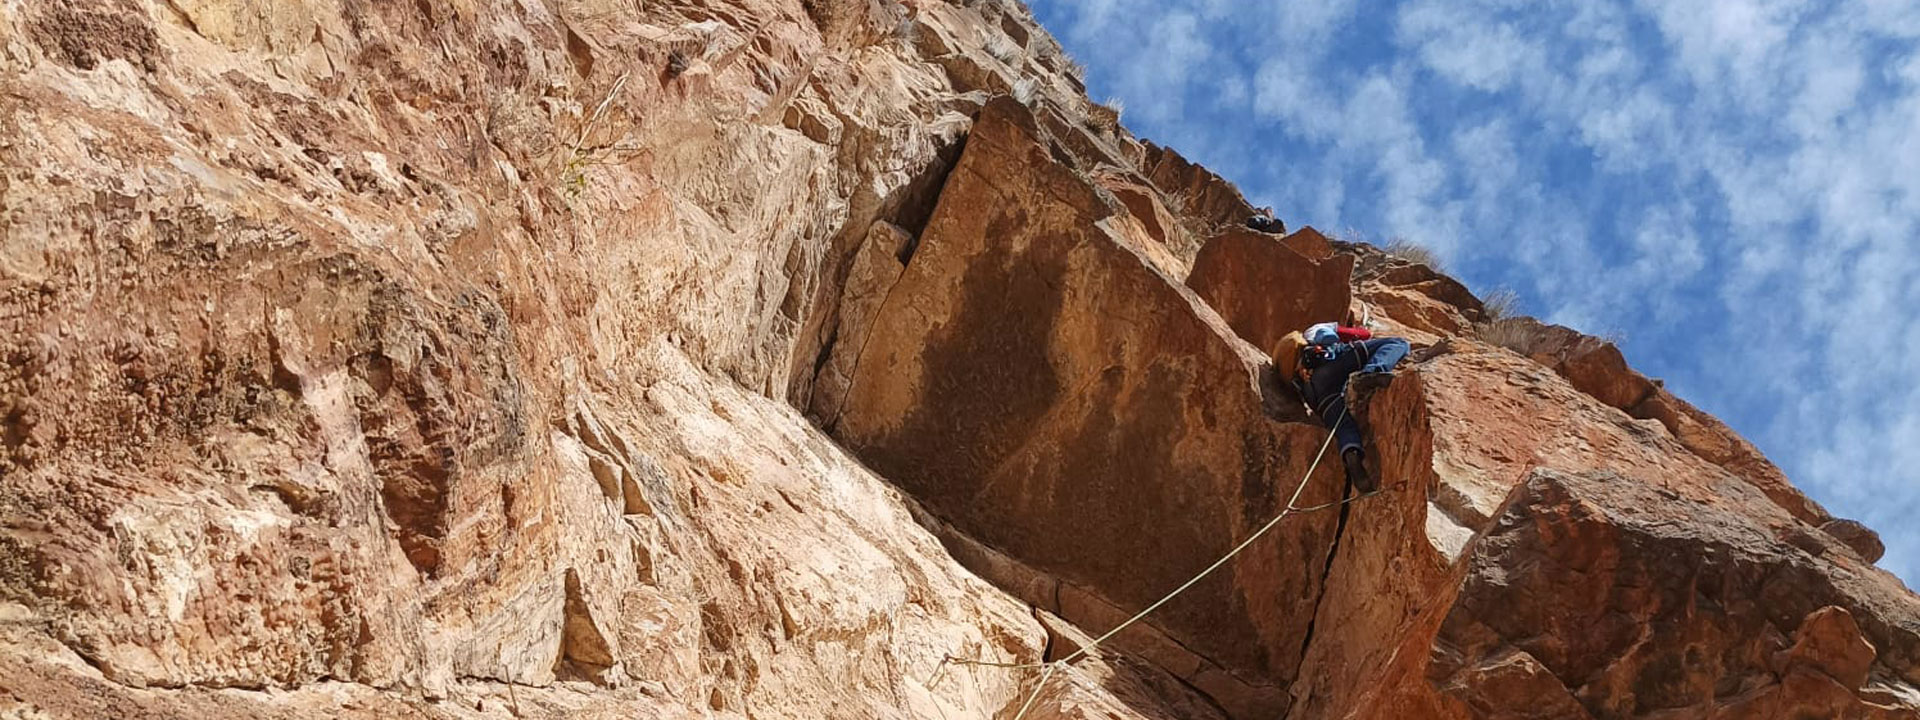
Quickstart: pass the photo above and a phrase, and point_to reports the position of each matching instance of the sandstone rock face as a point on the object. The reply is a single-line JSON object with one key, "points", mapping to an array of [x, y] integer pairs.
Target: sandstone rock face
{"points": [[1495, 586], [1266, 286], [1148, 227], [1206, 202], [1046, 389], [1648, 614], [742, 358], [1595, 367], [374, 360], [1410, 299]]}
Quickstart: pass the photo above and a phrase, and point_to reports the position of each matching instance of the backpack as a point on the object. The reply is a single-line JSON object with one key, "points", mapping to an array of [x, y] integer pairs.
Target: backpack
{"points": [[1323, 334]]}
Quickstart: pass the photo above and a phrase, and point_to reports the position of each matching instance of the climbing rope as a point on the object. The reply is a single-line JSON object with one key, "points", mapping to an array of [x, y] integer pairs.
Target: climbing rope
{"points": [[1048, 668]]}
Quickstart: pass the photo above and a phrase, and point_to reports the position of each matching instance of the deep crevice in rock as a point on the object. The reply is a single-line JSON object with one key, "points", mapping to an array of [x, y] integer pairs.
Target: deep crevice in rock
{"points": [[909, 208], [1326, 572]]}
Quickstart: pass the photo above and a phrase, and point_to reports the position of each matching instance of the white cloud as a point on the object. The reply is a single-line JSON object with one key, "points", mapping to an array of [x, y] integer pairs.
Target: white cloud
{"points": [[1286, 89], [1729, 46], [1304, 20], [1467, 44]]}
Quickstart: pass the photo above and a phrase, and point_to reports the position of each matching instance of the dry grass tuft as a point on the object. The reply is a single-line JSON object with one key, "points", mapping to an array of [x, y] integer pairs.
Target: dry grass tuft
{"points": [[1500, 304], [1105, 117], [1023, 91], [1413, 252], [1004, 49], [1516, 333]]}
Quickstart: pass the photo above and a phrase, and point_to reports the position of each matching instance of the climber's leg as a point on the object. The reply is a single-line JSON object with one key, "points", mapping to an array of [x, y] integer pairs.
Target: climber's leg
{"points": [[1383, 354], [1346, 429], [1334, 415], [1357, 474]]}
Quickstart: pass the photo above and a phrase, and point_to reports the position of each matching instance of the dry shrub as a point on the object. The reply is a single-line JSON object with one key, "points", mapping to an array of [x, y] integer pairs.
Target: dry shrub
{"points": [[1004, 49], [1519, 333], [1413, 252], [1105, 118], [1024, 91], [1501, 303]]}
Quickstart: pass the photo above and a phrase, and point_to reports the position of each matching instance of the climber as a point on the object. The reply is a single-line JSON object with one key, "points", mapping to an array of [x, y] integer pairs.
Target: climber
{"points": [[1319, 361]]}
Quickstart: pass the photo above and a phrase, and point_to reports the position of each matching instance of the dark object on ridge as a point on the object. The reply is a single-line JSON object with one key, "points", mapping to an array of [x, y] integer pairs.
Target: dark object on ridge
{"points": [[1267, 224]]}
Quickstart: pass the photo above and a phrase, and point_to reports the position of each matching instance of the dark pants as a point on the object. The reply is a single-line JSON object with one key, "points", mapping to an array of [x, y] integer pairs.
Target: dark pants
{"points": [[1327, 387]]}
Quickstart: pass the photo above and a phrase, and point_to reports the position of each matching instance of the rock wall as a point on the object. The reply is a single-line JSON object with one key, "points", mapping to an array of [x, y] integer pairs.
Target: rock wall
{"points": [[743, 358], [1268, 286], [1047, 389], [430, 356]]}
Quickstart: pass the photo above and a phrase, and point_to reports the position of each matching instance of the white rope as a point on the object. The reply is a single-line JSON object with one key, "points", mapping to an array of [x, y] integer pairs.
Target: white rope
{"points": [[1291, 508], [1037, 687], [1297, 490]]}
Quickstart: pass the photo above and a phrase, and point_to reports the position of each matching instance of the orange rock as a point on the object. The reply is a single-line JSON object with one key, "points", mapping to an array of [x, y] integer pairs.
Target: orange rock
{"points": [[419, 360], [1860, 538], [1596, 367], [1829, 641], [1204, 201], [1038, 384], [1266, 288], [1159, 232], [449, 360], [1612, 584], [1411, 299]]}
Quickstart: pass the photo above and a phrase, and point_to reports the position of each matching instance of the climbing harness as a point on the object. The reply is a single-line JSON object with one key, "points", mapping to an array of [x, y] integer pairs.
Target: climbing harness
{"points": [[1048, 668]]}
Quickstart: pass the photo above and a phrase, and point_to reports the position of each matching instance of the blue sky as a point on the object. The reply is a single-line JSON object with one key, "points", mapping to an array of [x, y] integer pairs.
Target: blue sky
{"points": [[1730, 187]]}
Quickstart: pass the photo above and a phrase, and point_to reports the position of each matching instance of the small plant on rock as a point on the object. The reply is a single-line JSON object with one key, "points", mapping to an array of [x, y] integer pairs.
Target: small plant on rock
{"points": [[1105, 117], [1501, 303], [1413, 252], [1003, 48], [1023, 91], [1516, 333], [592, 147]]}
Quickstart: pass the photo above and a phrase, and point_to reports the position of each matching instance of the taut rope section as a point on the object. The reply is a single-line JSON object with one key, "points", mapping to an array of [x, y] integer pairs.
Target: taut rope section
{"points": [[1048, 668]]}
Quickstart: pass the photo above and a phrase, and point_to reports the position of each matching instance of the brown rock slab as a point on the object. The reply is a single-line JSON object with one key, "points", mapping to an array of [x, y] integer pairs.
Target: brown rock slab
{"points": [[1108, 685], [1457, 435], [1409, 299], [876, 267], [1155, 224], [1859, 537], [1043, 388], [1830, 641], [1596, 367], [1203, 200], [1266, 286], [1670, 615]]}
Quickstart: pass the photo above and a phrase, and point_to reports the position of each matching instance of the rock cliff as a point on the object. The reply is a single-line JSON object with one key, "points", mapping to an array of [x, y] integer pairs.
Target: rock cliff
{"points": [[771, 359]]}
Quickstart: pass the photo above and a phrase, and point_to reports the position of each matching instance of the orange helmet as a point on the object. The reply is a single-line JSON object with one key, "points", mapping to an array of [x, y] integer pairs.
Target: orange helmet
{"points": [[1286, 354]]}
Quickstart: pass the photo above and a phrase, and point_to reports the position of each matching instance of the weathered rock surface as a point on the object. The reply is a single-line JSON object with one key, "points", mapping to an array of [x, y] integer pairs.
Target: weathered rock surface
{"points": [[1046, 389], [1410, 299], [1664, 583], [1595, 367], [1267, 286], [1206, 202], [414, 359], [746, 358], [1638, 603]]}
